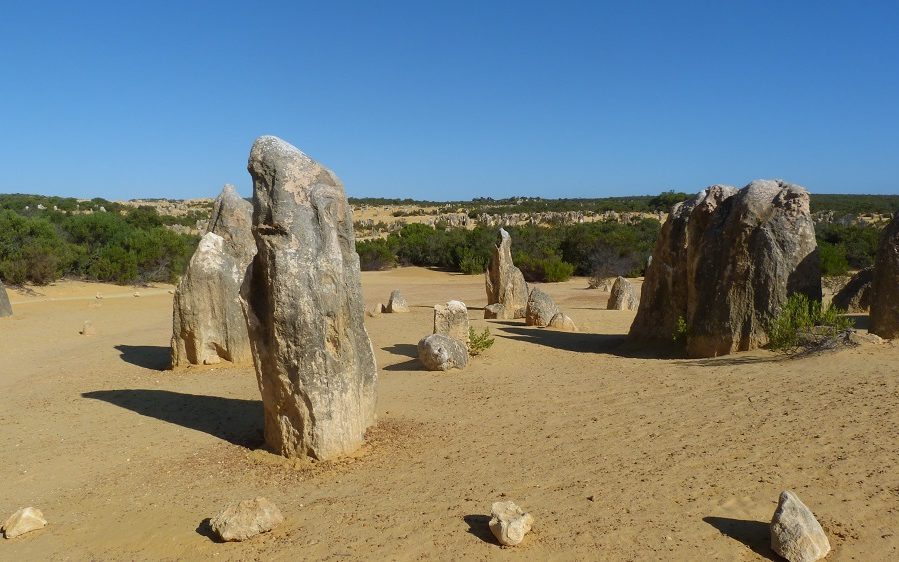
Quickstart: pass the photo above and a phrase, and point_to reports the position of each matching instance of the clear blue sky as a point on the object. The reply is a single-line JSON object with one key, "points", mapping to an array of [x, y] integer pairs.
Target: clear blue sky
{"points": [[450, 100]]}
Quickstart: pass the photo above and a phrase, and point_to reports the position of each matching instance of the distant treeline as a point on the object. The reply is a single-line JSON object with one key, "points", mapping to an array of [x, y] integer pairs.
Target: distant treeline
{"points": [[42, 245]]}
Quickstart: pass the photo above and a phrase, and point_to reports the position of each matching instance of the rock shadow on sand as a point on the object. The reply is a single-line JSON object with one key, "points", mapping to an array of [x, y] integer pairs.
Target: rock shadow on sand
{"points": [[231, 419], [479, 526], [754, 534], [154, 357], [583, 342]]}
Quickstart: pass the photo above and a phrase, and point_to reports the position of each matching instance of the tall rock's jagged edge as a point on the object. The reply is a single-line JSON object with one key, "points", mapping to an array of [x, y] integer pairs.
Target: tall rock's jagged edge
{"points": [[884, 317], [504, 282], [314, 361], [726, 262], [208, 323], [5, 306]]}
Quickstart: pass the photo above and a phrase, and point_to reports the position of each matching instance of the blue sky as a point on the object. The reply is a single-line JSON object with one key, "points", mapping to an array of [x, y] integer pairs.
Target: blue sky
{"points": [[450, 100]]}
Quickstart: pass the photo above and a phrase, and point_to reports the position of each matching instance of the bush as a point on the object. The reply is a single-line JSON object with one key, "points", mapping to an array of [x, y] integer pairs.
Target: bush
{"points": [[472, 264], [375, 255], [833, 259], [803, 323], [555, 270], [478, 341], [681, 331]]}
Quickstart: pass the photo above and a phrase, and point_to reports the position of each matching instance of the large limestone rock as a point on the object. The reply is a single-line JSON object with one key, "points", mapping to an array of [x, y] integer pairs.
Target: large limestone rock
{"points": [[623, 296], [397, 303], [795, 533], [885, 285], [23, 521], [725, 262], [438, 352], [240, 521], [303, 300], [451, 319], [5, 307], [540, 309], [208, 321], [505, 283], [856, 295], [509, 523]]}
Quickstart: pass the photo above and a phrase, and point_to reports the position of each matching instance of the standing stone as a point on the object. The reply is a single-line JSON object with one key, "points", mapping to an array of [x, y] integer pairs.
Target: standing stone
{"points": [[240, 521], [397, 303], [23, 521], [508, 523], [314, 361], [451, 319], [540, 309], [5, 306], [885, 285], [208, 322], [726, 262], [623, 296], [438, 352], [505, 283], [795, 533], [856, 295]]}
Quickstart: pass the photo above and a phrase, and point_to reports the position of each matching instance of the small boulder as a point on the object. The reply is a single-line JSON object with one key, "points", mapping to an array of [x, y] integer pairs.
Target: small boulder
{"points": [[855, 296], [563, 323], [240, 521], [87, 329], [136, 293], [795, 533], [509, 523], [623, 296], [540, 309], [375, 311], [23, 521], [397, 303], [495, 310], [438, 352], [451, 319]]}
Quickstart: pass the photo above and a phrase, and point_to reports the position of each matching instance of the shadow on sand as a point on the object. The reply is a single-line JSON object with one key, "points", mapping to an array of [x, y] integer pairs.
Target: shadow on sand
{"points": [[612, 344], [232, 419], [478, 525], [153, 357], [204, 529], [754, 534], [402, 349]]}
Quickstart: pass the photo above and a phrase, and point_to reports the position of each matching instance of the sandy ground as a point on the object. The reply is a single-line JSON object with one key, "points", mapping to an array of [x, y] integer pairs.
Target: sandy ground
{"points": [[619, 455]]}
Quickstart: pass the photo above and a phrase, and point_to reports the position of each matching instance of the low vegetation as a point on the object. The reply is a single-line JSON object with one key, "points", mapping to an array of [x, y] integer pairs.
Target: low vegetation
{"points": [[804, 323], [478, 341]]}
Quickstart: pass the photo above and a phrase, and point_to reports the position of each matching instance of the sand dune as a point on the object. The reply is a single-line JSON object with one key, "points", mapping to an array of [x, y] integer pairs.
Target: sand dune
{"points": [[619, 455]]}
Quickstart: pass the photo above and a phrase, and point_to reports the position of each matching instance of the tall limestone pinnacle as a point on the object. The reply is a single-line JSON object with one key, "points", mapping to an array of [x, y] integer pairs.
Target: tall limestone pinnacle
{"points": [[303, 300]]}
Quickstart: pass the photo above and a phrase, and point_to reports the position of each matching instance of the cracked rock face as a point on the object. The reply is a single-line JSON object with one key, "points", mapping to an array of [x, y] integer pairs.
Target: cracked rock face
{"points": [[208, 324], [795, 533], [314, 361], [726, 262], [885, 284], [505, 283]]}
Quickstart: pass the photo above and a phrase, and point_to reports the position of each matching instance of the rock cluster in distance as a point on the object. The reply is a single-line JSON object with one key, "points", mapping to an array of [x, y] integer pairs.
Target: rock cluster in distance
{"points": [[303, 300]]}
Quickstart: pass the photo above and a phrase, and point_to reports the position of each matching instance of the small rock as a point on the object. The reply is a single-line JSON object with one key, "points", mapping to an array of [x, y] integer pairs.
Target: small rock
{"points": [[136, 293], [397, 303], [87, 329], [509, 523], [623, 296], [23, 521], [795, 533], [864, 338], [540, 309], [240, 521], [496, 310], [563, 323], [441, 353], [98, 296], [375, 311]]}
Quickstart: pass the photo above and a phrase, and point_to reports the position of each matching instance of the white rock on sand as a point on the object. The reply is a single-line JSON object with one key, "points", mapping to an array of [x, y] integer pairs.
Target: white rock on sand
{"points": [[240, 521], [509, 523], [795, 533], [23, 521]]}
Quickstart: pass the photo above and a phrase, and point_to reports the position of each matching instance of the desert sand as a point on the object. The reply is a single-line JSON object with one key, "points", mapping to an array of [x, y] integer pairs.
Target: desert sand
{"points": [[620, 455]]}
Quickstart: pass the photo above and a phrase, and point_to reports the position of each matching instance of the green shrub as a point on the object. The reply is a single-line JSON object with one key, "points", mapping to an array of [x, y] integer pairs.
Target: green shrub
{"points": [[555, 270], [681, 331], [803, 323], [472, 264], [375, 255], [478, 341], [833, 259]]}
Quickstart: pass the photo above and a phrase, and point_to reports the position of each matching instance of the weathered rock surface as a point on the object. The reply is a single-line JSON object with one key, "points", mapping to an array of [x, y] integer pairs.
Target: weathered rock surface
{"points": [[451, 319], [23, 521], [505, 283], [726, 262], [795, 533], [438, 352], [208, 321], [375, 310], [240, 521], [563, 323], [509, 523], [314, 361], [884, 315], [623, 296], [540, 309], [5, 306], [495, 310], [397, 303], [856, 295]]}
